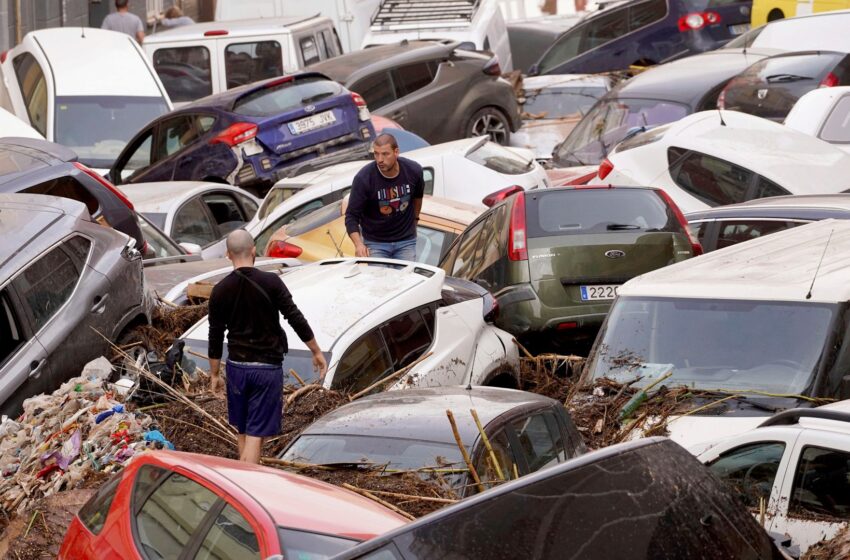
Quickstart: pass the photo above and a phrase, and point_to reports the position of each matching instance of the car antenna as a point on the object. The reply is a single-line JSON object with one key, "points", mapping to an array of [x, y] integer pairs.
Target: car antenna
{"points": [[720, 113], [83, 32], [820, 262]]}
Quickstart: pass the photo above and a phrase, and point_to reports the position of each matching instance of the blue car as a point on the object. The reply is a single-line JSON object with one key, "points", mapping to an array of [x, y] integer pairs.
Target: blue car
{"points": [[249, 135], [644, 32]]}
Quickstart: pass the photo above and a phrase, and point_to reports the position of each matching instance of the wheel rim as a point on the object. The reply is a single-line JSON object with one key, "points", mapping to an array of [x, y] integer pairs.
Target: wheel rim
{"points": [[492, 126]]}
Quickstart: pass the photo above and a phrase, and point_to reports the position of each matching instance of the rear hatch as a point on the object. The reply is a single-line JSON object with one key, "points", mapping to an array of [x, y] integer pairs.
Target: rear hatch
{"points": [[584, 243], [770, 87], [723, 19], [293, 114]]}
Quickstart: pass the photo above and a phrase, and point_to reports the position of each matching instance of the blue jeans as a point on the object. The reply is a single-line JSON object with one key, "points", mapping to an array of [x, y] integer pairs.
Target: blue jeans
{"points": [[402, 250]]}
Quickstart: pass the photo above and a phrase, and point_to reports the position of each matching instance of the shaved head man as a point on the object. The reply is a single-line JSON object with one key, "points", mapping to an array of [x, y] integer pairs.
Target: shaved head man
{"points": [[247, 304]]}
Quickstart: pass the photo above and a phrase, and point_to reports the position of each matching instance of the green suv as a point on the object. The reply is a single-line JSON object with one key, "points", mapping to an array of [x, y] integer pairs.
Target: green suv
{"points": [[554, 258]]}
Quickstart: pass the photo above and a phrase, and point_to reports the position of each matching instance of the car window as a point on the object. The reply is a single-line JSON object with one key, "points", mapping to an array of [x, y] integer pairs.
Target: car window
{"points": [[250, 62], [324, 52], [605, 28], [249, 205], [407, 336], [505, 461], [567, 47], [231, 536], [376, 90], [11, 332], [837, 126], [33, 89], [225, 211], [464, 263], [285, 96], [67, 187], [536, 442], [555, 103], [430, 243], [263, 239], [363, 363], [309, 50], [93, 513], [712, 180], [158, 245], [192, 224], [491, 245], [448, 261], [332, 44], [500, 159], [766, 188], [170, 515], [204, 123], [184, 72], [699, 230], [176, 134], [140, 158], [46, 284], [738, 231], [428, 180], [412, 77], [311, 546], [646, 13], [750, 470], [821, 484]]}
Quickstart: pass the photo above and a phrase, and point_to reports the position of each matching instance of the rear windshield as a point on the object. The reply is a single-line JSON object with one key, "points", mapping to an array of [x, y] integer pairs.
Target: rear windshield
{"points": [[584, 211], [311, 546], [285, 97], [500, 159], [793, 68], [314, 219], [555, 103], [12, 162], [837, 126]]}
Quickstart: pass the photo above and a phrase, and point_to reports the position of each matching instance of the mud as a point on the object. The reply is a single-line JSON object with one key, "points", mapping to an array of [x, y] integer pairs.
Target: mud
{"points": [[837, 548], [167, 324]]}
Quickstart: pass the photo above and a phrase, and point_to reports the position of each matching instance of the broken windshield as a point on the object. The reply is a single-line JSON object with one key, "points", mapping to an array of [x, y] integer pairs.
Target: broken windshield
{"points": [[738, 345]]}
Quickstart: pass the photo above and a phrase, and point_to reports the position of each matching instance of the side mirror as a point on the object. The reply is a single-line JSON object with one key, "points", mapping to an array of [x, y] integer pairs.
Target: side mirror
{"points": [[191, 248], [534, 70]]}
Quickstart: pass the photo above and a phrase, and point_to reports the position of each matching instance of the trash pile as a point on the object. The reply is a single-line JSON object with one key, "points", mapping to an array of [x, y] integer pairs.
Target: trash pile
{"points": [[835, 548], [167, 323]]}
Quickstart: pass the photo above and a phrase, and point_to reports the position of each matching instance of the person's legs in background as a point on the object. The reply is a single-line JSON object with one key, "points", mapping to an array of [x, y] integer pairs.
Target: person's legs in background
{"points": [[405, 250], [379, 250]]}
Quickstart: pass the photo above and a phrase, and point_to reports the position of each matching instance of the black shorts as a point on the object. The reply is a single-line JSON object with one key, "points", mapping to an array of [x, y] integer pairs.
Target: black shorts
{"points": [[255, 398]]}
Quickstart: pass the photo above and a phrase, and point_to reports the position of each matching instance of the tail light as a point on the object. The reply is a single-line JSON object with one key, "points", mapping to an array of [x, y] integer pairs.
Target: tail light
{"points": [[517, 239], [695, 244], [491, 308], [362, 109], [605, 168], [493, 68], [236, 134], [100, 179], [3, 56], [283, 249], [500, 195], [831, 80], [697, 20], [216, 33]]}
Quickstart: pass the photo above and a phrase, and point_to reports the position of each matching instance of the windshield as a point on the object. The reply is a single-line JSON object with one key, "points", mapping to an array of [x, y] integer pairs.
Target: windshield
{"points": [[98, 127], [500, 159], [304, 545], [315, 219], [278, 195], [733, 345], [276, 99], [555, 103], [608, 122], [159, 245]]}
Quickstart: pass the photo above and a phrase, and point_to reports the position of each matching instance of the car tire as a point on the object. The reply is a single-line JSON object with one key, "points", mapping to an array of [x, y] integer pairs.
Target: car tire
{"points": [[489, 121], [775, 14]]}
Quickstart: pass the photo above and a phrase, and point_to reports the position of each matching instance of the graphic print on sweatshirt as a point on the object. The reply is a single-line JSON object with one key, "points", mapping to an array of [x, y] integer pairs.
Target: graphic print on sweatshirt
{"points": [[394, 199]]}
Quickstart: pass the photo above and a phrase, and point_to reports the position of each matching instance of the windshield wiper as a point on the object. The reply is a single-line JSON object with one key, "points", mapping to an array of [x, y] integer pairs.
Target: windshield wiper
{"points": [[316, 97], [613, 227], [786, 78]]}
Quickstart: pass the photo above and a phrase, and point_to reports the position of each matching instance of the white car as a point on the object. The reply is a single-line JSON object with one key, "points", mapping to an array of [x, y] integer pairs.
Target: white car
{"points": [[10, 125], [552, 106], [824, 31], [373, 317], [195, 214], [88, 89], [825, 114], [797, 463], [713, 158], [464, 170]]}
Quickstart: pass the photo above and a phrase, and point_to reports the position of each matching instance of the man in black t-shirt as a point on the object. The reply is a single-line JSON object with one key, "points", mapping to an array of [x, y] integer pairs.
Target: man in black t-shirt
{"points": [[384, 204]]}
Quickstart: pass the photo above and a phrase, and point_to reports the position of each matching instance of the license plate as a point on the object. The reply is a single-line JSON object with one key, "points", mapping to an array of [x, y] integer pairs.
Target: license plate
{"points": [[738, 29], [312, 122], [600, 292]]}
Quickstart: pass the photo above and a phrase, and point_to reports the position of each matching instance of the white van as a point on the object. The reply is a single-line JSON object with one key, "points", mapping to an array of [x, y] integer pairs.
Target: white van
{"points": [[766, 321], [88, 89], [350, 17], [478, 24], [194, 61]]}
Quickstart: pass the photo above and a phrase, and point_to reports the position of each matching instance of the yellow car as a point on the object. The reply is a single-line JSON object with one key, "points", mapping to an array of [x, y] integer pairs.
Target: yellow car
{"points": [[321, 234], [770, 10]]}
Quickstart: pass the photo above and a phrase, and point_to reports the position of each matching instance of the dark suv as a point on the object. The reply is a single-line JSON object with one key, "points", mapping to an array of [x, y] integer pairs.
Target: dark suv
{"points": [[554, 258], [435, 89], [644, 32]]}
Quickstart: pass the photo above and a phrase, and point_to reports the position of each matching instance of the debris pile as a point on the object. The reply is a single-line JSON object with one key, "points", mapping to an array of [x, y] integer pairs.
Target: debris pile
{"points": [[167, 324], [835, 548]]}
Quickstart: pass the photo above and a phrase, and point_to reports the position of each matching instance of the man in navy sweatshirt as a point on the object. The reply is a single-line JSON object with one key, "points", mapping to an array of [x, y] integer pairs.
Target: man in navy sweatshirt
{"points": [[384, 204]]}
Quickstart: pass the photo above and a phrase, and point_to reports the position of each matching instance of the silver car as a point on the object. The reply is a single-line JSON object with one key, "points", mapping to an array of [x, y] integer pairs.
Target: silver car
{"points": [[63, 280]]}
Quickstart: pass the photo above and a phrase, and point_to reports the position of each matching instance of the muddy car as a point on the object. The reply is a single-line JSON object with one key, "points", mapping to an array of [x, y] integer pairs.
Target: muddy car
{"points": [[643, 500]]}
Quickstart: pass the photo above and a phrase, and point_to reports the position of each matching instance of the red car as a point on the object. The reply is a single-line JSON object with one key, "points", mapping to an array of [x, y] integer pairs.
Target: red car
{"points": [[169, 505]]}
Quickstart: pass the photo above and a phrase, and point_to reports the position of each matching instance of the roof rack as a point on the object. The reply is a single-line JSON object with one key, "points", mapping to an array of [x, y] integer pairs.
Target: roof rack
{"points": [[792, 416], [424, 13]]}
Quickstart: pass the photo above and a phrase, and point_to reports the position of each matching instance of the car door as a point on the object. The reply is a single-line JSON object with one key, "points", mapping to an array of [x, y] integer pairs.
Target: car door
{"points": [[415, 108], [173, 147], [134, 163], [193, 223], [377, 90], [23, 360]]}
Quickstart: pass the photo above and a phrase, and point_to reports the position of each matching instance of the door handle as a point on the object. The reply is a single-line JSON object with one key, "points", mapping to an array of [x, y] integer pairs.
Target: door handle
{"points": [[35, 367], [99, 303], [398, 115]]}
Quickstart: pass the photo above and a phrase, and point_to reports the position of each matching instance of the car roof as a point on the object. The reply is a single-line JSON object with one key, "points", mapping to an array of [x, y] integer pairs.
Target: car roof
{"points": [[777, 267], [164, 196], [338, 295], [96, 62], [421, 413], [803, 206], [234, 28], [293, 501], [453, 210], [366, 61], [27, 218]]}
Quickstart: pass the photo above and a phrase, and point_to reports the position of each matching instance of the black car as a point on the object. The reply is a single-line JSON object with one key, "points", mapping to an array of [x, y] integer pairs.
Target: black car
{"points": [[770, 87], [409, 430], [642, 500], [41, 167], [644, 32], [660, 95], [437, 90], [724, 226]]}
